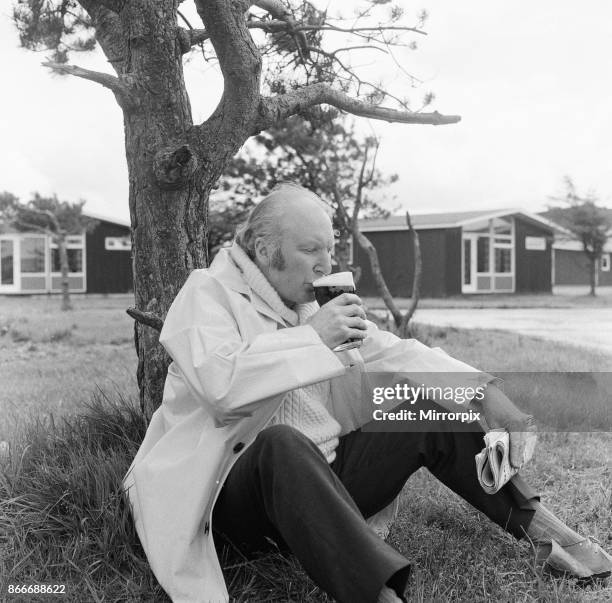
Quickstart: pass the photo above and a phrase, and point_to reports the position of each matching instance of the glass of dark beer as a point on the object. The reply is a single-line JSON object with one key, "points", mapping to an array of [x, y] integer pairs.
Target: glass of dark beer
{"points": [[330, 286]]}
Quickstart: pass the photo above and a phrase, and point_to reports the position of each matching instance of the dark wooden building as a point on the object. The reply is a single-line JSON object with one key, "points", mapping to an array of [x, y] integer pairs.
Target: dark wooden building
{"points": [[99, 261], [571, 265], [109, 258], [503, 251]]}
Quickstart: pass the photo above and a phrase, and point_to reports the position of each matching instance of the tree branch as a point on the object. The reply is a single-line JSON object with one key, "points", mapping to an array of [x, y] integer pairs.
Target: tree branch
{"points": [[240, 64], [122, 91], [108, 31], [197, 36], [416, 279], [360, 185], [378, 28], [146, 318], [274, 109], [279, 12]]}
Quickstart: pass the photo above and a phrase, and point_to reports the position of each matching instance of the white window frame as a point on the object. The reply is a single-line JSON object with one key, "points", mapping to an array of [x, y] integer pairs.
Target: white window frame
{"points": [[34, 235], [604, 262], [502, 241], [15, 287], [71, 243]]}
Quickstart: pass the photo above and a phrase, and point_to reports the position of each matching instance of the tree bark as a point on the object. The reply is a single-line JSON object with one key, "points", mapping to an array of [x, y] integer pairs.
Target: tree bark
{"points": [[172, 167], [405, 330], [592, 275]]}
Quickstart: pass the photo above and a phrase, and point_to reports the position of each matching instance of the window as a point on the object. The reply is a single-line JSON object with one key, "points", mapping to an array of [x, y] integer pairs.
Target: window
{"points": [[117, 243], [74, 251], [503, 259], [75, 260], [6, 262], [604, 262], [482, 254], [467, 262], [33, 255]]}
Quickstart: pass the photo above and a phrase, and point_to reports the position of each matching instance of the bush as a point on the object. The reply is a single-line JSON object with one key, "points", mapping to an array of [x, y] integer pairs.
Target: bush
{"points": [[63, 518]]}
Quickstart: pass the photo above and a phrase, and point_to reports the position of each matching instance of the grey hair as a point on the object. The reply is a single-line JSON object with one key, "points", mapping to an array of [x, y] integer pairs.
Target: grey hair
{"points": [[263, 221]]}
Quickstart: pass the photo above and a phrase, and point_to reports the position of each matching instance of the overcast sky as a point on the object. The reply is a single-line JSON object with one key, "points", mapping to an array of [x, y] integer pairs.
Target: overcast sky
{"points": [[530, 80]]}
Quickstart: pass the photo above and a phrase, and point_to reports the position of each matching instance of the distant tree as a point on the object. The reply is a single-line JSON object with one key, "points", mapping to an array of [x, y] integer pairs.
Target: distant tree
{"points": [[50, 216], [588, 223]]}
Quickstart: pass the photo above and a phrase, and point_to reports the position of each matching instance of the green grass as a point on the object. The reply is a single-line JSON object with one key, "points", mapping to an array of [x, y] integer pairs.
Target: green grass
{"points": [[62, 519], [51, 361]]}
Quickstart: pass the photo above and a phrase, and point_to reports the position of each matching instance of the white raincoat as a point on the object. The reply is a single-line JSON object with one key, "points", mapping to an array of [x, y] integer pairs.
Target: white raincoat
{"points": [[234, 359]]}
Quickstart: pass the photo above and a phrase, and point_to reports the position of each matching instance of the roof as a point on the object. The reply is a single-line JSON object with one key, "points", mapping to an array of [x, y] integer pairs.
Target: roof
{"points": [[448, 220], [96, 216], [574, 245]]}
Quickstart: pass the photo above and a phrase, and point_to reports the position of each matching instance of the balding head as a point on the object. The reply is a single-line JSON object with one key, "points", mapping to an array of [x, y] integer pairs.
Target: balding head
{"points": [[285, 208], [289, 236]]}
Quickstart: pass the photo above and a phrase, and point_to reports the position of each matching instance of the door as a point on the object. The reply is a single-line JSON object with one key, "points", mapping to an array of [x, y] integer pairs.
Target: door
{"points": [[8, 265], [468, 264]]}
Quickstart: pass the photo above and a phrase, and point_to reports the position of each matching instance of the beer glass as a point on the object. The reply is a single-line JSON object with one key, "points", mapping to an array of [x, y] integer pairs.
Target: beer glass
{"points": [[330, 286]]}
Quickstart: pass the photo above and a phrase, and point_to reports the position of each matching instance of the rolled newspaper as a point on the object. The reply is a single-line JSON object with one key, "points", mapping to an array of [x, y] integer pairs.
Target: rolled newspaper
{"points": [[493, 462]]}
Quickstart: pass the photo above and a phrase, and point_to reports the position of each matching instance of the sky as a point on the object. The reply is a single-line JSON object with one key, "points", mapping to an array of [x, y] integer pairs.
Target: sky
{"points": [[529, 79]]}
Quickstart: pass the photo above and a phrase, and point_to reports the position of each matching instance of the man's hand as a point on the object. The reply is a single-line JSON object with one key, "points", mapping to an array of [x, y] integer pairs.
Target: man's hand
{"points": [[340, 319], [501, 413]]}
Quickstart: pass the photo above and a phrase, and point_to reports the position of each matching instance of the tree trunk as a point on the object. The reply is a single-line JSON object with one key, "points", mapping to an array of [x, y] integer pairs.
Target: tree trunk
{"points": [[64, 268], [592, 274], [172, 168]]}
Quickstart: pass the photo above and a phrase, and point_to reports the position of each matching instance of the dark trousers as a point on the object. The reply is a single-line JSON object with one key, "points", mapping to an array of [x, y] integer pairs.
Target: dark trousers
{"points": [[283, 488]]}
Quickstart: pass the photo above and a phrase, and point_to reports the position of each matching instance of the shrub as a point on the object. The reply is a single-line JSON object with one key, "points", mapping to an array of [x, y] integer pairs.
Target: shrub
{"points": [[63, 518]]}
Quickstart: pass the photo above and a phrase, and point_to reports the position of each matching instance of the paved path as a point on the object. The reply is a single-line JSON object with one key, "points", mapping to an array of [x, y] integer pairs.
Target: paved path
{"points": [[586, 327]]}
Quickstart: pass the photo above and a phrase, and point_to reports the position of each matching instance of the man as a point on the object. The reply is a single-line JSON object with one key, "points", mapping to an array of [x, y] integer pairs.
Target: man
{"points": [[258, 435]]}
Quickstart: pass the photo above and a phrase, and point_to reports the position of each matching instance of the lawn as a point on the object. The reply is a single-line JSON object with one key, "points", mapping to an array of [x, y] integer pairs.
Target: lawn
{"points": [[61, 521], [50, 361], [563, 297]]}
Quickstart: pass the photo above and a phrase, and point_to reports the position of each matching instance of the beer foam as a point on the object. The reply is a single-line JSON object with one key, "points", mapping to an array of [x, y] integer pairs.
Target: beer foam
{"points": [[338, 279]]}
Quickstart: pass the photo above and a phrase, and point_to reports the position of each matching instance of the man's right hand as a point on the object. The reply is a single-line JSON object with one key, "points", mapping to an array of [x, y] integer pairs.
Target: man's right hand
{"points": [[340, 319]]}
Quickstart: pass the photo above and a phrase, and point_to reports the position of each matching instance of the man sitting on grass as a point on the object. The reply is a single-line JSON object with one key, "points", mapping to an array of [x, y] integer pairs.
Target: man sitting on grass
{"points": [[258, 437]]}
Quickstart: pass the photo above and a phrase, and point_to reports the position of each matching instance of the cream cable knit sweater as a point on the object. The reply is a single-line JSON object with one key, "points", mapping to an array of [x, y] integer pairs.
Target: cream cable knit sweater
{"points": [[306, 408]]}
